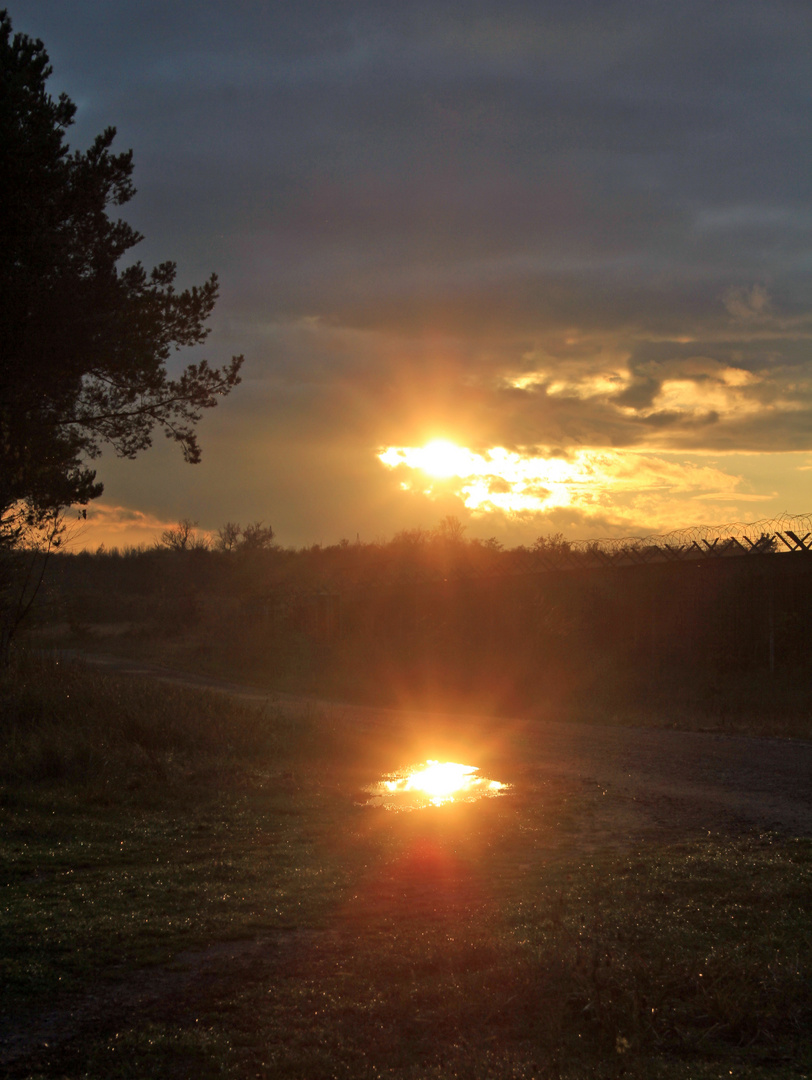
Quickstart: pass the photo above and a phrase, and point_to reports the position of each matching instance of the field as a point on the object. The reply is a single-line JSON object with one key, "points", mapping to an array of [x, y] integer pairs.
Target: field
{"points": [[194, 887]]}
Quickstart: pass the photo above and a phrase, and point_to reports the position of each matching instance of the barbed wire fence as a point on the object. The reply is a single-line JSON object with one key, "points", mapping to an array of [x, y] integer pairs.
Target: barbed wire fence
{"points": [[738, 530], [785, 533]]}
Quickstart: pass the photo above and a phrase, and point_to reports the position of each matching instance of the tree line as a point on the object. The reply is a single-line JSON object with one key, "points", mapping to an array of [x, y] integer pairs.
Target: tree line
{"points": [[430, 615]]}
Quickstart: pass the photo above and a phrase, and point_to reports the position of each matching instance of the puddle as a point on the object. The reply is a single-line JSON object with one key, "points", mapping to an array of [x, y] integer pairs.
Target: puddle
{"points": [[432, 783]]}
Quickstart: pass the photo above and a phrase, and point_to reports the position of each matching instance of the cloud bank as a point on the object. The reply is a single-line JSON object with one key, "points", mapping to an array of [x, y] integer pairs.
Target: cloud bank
{"points": [[568, 229]]}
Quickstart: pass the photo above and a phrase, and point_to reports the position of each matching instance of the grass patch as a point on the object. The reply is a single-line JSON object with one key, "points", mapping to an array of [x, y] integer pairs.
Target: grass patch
{"points": [[62, 722], [218, 904]]}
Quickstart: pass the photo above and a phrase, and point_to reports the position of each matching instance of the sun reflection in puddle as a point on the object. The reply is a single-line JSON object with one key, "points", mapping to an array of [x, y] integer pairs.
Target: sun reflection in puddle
{"points": [[432, 783]]}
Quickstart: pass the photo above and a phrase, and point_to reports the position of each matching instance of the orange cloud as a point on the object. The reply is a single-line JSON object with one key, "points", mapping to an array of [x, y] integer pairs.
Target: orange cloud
{"points": [[608, 484], [114, 526]]}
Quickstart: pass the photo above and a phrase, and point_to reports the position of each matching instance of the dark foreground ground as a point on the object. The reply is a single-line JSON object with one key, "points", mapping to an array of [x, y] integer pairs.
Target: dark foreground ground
{"points": [[194, 888]]}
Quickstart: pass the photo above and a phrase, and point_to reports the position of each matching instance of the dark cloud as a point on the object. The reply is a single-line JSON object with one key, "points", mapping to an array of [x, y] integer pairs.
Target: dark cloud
{"points": [[409, 204]]}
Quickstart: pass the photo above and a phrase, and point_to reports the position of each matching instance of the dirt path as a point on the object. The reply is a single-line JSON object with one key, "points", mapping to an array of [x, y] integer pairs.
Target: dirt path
{"points": [[656, 779]]}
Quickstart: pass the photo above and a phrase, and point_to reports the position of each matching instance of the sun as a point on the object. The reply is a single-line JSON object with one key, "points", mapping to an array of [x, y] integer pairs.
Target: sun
{"points": [[442, 458]]}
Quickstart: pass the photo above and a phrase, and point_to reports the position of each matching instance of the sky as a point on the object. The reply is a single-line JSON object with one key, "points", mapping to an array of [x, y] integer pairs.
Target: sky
{"points": [[544, 266]]}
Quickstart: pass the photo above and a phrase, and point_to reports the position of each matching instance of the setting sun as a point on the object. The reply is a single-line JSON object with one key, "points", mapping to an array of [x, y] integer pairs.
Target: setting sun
{"points": [[442, 458]]}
